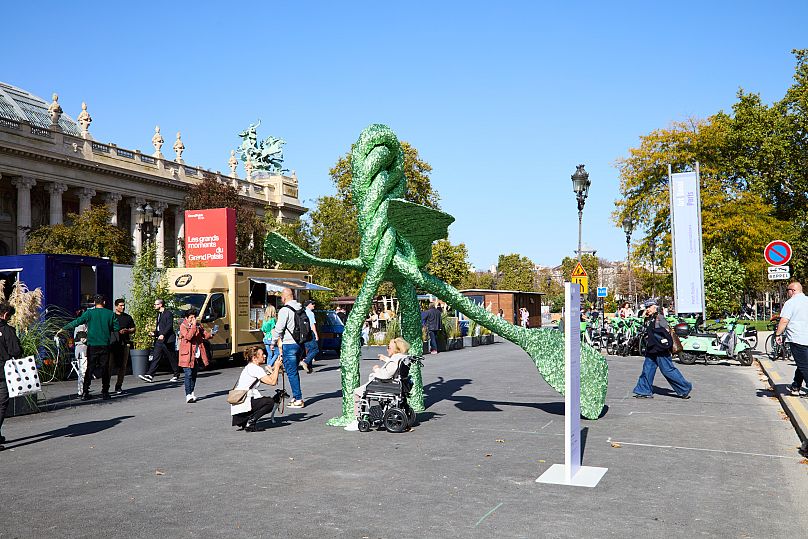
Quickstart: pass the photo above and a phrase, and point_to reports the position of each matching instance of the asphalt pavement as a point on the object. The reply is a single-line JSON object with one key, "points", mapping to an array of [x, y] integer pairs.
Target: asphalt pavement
{"points": [[722, 464]]}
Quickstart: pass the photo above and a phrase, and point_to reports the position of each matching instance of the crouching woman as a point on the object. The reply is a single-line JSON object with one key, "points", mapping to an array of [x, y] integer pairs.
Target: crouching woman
{"points": [[255, 406]]}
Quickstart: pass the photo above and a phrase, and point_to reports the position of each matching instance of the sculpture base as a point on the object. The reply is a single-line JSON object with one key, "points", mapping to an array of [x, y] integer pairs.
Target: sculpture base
{"points": [[587, 476], [340, 421]]}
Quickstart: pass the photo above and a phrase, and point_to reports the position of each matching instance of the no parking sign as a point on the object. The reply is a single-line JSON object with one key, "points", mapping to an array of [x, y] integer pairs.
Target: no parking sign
{"points": [[777, 253]]}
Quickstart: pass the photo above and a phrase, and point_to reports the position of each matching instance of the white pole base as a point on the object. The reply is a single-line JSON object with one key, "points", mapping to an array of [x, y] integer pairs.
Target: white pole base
{"points": [[587, 476]]}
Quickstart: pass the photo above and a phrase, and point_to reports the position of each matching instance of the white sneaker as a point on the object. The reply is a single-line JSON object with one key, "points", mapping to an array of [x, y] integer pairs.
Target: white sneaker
{"points": [[145, 378], [194, 397], [174, 379], [353, 426], [189, 398], [295, 404]]}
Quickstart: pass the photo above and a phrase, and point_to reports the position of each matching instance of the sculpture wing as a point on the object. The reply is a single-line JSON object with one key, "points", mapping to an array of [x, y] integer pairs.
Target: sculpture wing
{"points": [[279, 248], [419, 225]]}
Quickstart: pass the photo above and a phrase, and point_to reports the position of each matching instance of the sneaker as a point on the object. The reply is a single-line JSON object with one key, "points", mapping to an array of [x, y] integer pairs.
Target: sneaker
{"points": [[295, 404], [189, 398], [2, 439], [433, 352], [86, 397], [119, 391], [174, 379], [306, 367], [194, 397], [146, 378], [684, 397], [796, 391], [640, 396], [353, 426]]}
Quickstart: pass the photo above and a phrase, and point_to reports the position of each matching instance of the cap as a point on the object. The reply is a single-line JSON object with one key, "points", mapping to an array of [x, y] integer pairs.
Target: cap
{"points": [[308, 302], [649, 303]]}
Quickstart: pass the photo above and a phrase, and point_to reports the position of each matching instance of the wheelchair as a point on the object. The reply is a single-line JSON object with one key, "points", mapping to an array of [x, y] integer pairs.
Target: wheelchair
{"points": [[384, 403]]}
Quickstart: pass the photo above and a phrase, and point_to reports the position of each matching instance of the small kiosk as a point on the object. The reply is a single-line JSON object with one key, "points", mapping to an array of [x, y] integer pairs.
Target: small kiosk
{"points": [[510, 301]]}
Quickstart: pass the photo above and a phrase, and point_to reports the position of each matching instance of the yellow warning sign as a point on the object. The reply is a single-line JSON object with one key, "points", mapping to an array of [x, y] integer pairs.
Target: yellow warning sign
{"points": [[583, 281], [579, 271]]}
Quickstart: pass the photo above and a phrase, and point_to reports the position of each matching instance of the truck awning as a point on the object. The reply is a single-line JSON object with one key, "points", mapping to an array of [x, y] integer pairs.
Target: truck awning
{"points": [[276, 285]]}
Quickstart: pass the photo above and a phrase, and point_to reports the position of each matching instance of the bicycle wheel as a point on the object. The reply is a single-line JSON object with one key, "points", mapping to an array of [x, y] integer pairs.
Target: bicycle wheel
{"points": [[770, 347]]}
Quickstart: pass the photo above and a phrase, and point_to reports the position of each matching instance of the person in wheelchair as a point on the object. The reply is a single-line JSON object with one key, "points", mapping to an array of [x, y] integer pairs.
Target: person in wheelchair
{"points": [[390, 370]]}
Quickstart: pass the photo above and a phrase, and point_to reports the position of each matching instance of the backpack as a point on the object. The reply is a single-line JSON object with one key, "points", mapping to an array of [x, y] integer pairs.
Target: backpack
{"points": [[302, 332]]}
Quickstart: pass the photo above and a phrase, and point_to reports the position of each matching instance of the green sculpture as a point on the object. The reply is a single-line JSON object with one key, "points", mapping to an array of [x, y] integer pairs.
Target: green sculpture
{"points": [[396, 243], [264, 155]]}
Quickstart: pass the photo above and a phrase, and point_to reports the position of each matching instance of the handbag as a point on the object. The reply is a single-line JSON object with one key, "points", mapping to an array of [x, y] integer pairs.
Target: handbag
{"points": [[22, 377], [238, 396], [677, 347]]}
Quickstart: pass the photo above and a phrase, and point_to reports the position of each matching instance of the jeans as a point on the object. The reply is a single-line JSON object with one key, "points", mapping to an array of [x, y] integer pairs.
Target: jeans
{"points": [[272, 354], [645, 383], [433, 340], [190, 379], [97, 356], [800, 354], [290, 354], [312, 349]]}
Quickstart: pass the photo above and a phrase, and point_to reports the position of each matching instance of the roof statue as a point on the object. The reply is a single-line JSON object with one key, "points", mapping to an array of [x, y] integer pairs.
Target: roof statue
{"points": [[396, 239], [264, 155]]}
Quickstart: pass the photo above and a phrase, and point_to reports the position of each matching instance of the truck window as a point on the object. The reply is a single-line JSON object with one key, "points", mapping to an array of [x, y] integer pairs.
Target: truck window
{"points": [[215, 308]]}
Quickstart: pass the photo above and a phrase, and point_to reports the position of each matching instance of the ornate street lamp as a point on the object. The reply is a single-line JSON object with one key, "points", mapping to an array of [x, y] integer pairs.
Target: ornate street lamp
{"points": [[628, 228], [148, 219], [580, 186]]}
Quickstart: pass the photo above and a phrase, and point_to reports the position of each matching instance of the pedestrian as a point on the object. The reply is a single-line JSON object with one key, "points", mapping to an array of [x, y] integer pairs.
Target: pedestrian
{"points": [[165, 341], [626, 311], [10, 348], [290, 352], [80, 353], [432, 322], [255, 406], [120, 349], [312, 347], [501, 314], [366, 333], [192, 350], [793, 326], [342, 315], [658, 344], [101, 324], [524, 317], [270, 319]]}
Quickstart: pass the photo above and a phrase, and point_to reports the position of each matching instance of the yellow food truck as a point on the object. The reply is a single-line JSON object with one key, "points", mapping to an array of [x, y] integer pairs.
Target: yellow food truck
{"points": [[232, 300]]}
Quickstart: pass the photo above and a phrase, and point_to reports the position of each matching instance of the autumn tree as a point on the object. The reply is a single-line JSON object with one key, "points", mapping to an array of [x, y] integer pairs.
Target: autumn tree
{"points": [[479, 280], [88, 234], [449, 262], [723, 283], [515, 273]]}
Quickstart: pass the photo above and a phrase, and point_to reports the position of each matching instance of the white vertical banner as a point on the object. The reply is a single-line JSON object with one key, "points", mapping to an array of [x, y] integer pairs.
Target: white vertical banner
{"points": [[572, 380], [688, 263], [571, 472]]}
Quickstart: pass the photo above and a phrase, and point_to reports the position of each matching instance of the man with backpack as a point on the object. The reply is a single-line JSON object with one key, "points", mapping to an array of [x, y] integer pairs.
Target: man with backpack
{"points": [[294, 331]]}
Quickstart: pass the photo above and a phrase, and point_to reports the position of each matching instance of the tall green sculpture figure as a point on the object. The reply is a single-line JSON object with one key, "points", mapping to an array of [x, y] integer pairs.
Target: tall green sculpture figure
{"points": [[396, 243]]}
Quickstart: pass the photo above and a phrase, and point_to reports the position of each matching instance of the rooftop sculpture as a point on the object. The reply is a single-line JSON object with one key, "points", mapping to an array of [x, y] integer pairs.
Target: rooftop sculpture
{"points": [[264, 155], [396, 244]]}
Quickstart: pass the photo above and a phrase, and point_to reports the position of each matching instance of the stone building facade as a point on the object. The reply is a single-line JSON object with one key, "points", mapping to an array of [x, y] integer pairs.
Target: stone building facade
{"points": [[50, 165]]}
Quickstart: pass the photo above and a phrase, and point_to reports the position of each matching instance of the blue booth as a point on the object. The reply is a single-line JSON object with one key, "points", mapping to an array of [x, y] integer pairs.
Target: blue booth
{"points": [[68, 282]]}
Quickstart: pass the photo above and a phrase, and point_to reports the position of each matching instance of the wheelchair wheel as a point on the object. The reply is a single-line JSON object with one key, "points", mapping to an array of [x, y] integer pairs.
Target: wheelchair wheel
{"points": [[395, 420], [364, 425]]}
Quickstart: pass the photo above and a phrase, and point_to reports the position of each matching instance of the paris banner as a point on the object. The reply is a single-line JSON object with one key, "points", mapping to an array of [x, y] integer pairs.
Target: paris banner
{"points": [[688, 266]]}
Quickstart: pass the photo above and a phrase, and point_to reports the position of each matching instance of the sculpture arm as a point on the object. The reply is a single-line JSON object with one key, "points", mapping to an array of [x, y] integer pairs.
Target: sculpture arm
{"points": [[279, 248]]}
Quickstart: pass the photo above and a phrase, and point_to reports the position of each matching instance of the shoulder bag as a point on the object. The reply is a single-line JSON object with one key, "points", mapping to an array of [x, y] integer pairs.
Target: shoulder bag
{"points": [[238, 396]]}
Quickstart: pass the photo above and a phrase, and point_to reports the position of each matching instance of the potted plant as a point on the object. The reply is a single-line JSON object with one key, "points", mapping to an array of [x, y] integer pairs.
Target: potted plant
{"points": [[450, 327], [149, 283], [486, 337]]}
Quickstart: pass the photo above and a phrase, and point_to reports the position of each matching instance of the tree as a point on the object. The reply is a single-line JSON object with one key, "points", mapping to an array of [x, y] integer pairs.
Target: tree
{"points": [[723, 283], [590, 263], [87, 234], [449, 262], [515, 273], [148, 284], [250, 230], [479, 280]]}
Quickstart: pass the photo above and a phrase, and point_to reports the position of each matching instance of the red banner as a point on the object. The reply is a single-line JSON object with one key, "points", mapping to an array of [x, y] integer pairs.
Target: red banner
{"points": [[210, 238]]}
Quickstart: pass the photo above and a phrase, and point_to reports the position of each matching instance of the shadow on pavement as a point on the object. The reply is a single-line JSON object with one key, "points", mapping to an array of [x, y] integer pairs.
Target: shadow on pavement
{"points": [[71, 431]]}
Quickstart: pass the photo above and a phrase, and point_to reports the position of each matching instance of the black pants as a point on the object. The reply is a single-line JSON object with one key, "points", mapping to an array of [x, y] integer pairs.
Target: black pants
{"points": [[161, 350], [120, 359], [260, 408], [800, 354], [97, 356], [3, 397]]}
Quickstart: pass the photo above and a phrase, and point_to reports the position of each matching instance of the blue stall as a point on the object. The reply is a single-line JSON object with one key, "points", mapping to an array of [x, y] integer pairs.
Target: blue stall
{"points": [[67, 281]]}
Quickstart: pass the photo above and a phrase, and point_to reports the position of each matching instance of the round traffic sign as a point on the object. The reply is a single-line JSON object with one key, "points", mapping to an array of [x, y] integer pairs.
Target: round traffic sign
{"points": [[777, 253]]}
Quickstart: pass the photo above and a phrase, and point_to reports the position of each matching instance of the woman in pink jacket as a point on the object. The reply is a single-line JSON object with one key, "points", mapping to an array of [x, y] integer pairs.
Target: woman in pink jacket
{"points": [[192, 350]]}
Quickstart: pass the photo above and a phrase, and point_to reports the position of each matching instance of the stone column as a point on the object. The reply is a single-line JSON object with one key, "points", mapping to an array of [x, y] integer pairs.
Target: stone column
{"points": [[179, 226], [56, 191], [23, 186], [111, 200], [134, 228], [160, 233], [85, 199]]}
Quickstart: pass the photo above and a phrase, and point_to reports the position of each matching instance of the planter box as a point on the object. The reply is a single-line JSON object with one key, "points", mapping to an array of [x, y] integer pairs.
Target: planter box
{"points": [[487, 339], [477, 340], [467, 342], [454, 344], [140, 361]]}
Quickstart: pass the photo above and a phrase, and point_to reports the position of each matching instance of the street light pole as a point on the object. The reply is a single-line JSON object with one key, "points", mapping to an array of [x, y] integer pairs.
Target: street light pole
{"points": [[653, 266], [580, 186], [628, 228]]}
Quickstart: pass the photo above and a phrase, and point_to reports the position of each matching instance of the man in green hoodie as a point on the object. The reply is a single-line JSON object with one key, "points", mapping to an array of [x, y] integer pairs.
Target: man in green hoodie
{"points": [[101, 323]]}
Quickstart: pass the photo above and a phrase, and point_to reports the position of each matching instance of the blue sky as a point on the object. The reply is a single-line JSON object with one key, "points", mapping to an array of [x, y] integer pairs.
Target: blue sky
{"points": [[502, 99]]}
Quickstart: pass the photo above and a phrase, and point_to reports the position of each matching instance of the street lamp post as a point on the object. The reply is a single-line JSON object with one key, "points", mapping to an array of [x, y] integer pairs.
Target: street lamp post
{"points": [[653, 266], [628, 228], [148, 219], [580, 186]]}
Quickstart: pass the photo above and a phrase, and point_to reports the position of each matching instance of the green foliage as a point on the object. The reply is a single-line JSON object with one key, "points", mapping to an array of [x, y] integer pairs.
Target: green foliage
{"points": [[515, 273], [723, 283], [450, 326], [478, 280], [148, 284], [250, 230], [449, 262], [589, 262], [88, 234]]}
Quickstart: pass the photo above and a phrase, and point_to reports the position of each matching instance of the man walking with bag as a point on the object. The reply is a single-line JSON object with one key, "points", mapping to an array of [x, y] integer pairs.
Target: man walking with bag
{"points": [[292, 321], [9, 349], [165, 341], [658, 344]]}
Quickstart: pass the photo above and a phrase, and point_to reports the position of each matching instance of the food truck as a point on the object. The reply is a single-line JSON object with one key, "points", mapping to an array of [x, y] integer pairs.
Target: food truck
{"points": [[232, 300]]}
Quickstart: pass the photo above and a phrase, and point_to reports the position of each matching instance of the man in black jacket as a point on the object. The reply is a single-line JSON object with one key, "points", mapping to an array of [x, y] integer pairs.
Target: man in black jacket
{"points": [[9, 349], [164, 343], [431, 319], [658, 344]]}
